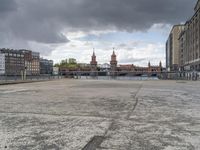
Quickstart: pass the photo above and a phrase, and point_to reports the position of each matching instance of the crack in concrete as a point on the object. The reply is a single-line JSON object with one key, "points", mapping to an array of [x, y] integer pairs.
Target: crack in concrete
{"points": [[136, 101], [94, 143]]}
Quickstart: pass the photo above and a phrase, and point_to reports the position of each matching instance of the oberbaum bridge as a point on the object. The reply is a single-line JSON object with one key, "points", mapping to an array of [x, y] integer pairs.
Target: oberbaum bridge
{"points": [[114, 70]]}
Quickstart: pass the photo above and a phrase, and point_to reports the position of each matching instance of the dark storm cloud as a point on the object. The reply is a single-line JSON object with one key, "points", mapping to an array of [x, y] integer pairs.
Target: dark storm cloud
{"points": [[7, 5], [44, 20]]}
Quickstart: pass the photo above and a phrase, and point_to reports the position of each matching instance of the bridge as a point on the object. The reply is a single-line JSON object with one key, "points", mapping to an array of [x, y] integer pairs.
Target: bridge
{"points": [[160, 74], [110, 73]]}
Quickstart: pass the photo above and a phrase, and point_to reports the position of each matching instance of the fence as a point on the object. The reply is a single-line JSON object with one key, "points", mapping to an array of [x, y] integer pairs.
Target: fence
{"points": [[193, 75], [106, 76], [6, 78]]}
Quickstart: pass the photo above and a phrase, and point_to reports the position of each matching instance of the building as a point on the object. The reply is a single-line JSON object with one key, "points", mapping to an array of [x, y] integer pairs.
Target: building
{"points": [[93, 62], [155, 69], [55, 70], [189, 41], [169, 53], [104, 67], [2, 64], [46, 66], [182, 50], [137, 69], [14, 61], [172, 48], [127, 67], [35, 63], [32, 62], [18, 62]]}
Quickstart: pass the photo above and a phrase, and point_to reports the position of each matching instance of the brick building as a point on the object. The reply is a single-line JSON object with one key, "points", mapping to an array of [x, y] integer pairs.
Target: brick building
{"points": [[132, 68], [32, 62]]}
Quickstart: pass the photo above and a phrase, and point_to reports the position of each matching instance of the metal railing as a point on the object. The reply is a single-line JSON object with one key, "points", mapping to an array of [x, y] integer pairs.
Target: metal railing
{"points": [[189, 75], [130, 75], [17, 78], [193, 75], [112, 75]]}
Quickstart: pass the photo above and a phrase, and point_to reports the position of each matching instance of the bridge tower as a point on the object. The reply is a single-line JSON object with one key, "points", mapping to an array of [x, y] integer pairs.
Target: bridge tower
{"points": [[149, 69], [93, 62], [113, 63], [160, 67]]}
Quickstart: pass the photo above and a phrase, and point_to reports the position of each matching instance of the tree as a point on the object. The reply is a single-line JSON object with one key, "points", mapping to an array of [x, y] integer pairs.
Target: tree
{"points": [[72, 61]]}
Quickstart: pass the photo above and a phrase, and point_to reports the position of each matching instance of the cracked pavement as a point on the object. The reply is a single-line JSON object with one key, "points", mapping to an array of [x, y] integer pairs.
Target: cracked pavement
{"points": [[98, 114]]}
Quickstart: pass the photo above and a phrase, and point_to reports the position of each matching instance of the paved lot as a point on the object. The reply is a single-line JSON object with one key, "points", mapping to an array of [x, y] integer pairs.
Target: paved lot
{"points": [[102, 115]]}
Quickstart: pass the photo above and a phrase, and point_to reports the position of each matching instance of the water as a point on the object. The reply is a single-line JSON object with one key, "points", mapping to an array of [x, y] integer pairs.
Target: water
{"points": [[119, 78]]}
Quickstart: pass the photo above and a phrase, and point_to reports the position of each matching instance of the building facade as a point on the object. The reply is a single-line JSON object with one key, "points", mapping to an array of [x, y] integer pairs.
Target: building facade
{"points": [[137, 69], [35, 63], [189, 41], [55, 70], [104, 67], [14, 61], [2, 64], [169, 53], [46, 66], [32, 62], [172, 48]]}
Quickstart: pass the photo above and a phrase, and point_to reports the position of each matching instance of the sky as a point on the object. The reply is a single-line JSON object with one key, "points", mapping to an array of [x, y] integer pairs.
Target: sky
{"points": [[60, 29]]}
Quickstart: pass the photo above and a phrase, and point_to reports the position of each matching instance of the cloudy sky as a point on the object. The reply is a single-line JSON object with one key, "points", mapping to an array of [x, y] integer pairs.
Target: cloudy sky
{"points": [[60, 29]]}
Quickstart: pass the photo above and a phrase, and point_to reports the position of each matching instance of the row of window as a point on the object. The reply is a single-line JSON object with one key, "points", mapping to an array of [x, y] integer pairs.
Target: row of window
{"points": [[14, 55]]}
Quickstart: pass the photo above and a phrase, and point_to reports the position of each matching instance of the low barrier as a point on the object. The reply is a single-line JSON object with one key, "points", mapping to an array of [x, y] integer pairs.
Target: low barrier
{"points": [[6, 78], [193, 75]]}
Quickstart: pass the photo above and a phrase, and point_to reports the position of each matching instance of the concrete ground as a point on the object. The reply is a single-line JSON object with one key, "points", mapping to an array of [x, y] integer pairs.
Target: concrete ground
{"points": [[102, 115]]}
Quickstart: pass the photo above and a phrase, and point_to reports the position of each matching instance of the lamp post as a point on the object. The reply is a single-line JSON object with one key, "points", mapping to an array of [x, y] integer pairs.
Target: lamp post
{"points": [[23, 73]]}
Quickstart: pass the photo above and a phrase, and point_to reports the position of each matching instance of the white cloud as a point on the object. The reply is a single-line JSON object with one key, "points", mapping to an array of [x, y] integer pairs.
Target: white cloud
{"points": [[130, 51], [136, 52]]}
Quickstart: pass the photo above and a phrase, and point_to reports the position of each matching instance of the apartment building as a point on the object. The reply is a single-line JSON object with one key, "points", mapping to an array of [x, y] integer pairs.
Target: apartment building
{"points": [[46, 66], [172, 48], [189, 41], [32, 62], [14, 61]]}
